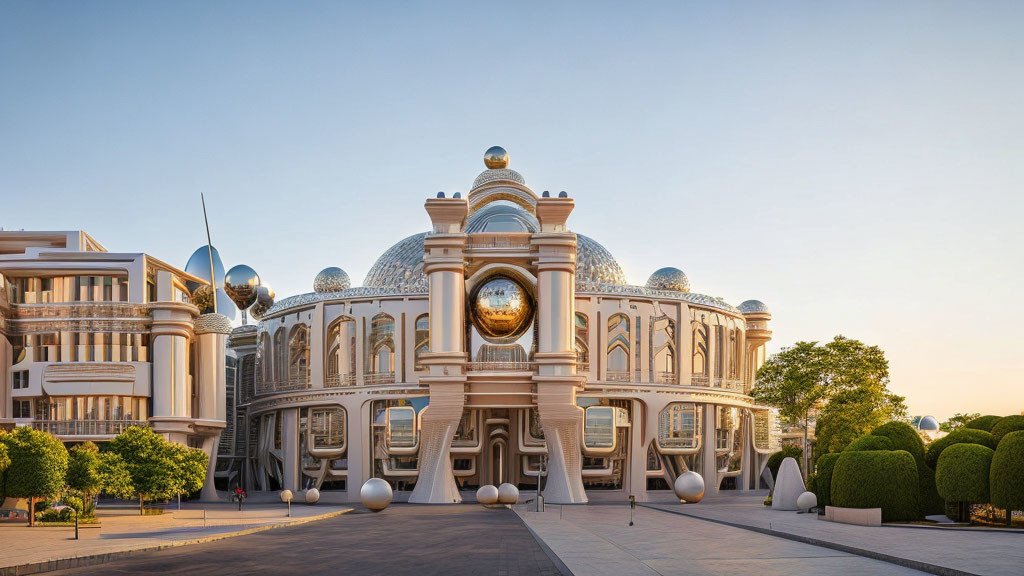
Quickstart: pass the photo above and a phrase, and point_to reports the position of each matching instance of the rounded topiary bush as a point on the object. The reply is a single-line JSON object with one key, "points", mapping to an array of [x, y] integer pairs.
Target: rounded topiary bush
{"points": [[877, 479], [823, 482], [963, 473], [1006, 425], [1005, 484], [960, 436], [928, 497], [869, 442], [775, 460], [903, 437], [983, 422]]}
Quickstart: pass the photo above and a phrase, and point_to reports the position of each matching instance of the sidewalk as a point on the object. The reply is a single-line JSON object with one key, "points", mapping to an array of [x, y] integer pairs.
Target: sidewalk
{"points": [[124, 530], [967, 551]]}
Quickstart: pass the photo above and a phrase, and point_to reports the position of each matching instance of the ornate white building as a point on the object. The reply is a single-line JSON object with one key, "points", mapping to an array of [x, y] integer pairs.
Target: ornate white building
{"points": [[500, 346], [92, 342]]}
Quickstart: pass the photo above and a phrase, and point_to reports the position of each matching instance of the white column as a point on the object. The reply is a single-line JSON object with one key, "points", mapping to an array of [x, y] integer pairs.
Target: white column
{"points": [[710, 471], [290, 447]]}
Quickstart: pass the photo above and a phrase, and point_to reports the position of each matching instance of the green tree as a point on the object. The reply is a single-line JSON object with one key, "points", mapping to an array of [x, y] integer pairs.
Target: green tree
{"points": [[150, 463], [190, 465], [1005, 484], [84, 473], [962, 476], [958, 420], [117, 481], [851, 413], [39, 462]]}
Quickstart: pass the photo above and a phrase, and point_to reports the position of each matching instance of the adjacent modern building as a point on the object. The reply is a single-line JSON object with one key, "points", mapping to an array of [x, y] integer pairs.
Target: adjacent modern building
{"points": [[94, 342], [498, 346]]}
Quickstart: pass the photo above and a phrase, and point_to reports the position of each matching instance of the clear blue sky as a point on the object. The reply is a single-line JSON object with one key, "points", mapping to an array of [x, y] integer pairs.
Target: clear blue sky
{"points": [[857, 166]]}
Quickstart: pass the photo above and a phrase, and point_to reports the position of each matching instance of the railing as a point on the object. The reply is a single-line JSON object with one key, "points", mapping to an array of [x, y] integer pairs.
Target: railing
{"points": [[499, 366], [582, 367], [728, 383], [340, 380], [699, 380], [379, 377], [271, 386], [665, 377], [477, 242], [619, 376], [81, 310], [85, 427]]}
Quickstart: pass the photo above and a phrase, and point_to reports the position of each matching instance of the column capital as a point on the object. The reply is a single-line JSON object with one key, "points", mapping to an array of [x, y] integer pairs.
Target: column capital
{"points": [[448, 215]]}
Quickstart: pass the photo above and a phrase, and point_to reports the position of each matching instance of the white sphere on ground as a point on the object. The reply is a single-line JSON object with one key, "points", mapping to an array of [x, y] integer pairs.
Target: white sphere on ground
{"points": [[508, 494], [487, 495], [312, 496], [286, 495], [689, 486], [806, 501], [376, 494]]}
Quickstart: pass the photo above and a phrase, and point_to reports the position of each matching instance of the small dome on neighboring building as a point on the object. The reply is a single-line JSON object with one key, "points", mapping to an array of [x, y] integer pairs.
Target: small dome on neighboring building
{"points": [[754, 307], [669, 278], [928, 424], [331, 279], [502, 218]]}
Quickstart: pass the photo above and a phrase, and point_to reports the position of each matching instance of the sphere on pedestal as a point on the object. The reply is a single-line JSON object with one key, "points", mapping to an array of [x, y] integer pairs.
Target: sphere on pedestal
{"points": [[689, 486], [376, 494], [312, 496], [286, 495], [240, 285], [806, 501], [508, 494], [487, 495]]}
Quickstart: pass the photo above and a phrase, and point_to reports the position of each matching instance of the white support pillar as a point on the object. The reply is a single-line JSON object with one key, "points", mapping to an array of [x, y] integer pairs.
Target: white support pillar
{"points": [[445, 267], [211, 334], [290, 448], [709, 461]]}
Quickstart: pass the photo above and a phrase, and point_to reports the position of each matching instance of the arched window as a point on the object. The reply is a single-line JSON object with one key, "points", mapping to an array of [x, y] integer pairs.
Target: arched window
{"points": [[618, 348], [341, 352], [380, 350], [663, 347], [700, 352], [280, 357], [582, 340], [422, 338], [298, 357]]}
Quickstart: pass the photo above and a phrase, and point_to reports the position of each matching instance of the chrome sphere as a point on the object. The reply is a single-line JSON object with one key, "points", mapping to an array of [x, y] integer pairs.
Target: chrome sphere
{"points": [[689, 486], [264, 300], [806, 501], [495, 158], [240, 284], [669, 279], [376, 494], [331, 279], [199, 265], [203, 297], [312, 496], [928, 424], [286, 495], [501, 308], [487, 495], [508, 494]]}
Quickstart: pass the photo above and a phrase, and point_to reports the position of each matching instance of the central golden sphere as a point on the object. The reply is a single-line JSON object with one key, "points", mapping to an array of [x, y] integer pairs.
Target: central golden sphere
{"points": [[502, 308], [496, 157]]}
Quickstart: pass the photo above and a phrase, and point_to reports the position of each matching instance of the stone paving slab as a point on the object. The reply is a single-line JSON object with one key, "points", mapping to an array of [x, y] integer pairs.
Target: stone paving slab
{"points": [[598, 541], [982, 552], [26, 550]]}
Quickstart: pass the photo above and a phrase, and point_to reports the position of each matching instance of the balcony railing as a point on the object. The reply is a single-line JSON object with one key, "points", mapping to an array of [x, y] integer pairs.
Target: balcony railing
{"points": [[582, 367], [340, 381], [699, 380], [665, 377], [81, 310], [484, 242], [728, 383], [379, 377], [499, 366], [85, 427], [296, 382], [619, 376]]}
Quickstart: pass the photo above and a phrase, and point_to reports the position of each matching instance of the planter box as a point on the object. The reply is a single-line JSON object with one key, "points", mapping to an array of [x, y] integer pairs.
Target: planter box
{"points": [[858, 516]]}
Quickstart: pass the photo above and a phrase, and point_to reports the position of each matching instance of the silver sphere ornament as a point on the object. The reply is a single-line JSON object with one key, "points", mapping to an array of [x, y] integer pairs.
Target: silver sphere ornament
{"points": [[376, 494], [487, 495], [331, 279], [508, 494], [689, 486], [669, 278], [496, 158], [806, 501], [240, 284], [312, 496]]}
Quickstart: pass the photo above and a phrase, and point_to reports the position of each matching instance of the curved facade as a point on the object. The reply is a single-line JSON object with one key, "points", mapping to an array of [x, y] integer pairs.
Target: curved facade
{"points": [[501, 346]]}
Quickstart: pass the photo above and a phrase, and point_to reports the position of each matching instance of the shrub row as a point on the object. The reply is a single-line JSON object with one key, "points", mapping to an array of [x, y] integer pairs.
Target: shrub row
{"points": [[877, 479]]}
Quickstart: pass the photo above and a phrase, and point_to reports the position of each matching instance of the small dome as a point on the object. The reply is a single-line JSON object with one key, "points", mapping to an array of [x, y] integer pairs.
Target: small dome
{"points": [[669, 279], [400, 267], [331, 279], [928, 423], [498, 175], [496, 157], [501, 218], [753, 307]]}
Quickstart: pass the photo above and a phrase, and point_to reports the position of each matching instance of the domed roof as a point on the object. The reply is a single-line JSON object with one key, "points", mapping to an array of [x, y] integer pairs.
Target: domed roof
{"points": [[754, 307], [497, 175], [400, 267], [332, 279], [669, 278], [594, 263], [500, 218], [928, 423]]}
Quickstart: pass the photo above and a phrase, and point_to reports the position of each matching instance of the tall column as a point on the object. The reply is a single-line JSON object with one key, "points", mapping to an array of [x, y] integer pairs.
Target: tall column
{"points": [[211, 334], [171, 331], [290, 448], [445, 268], [557, 381], [709, 460]]}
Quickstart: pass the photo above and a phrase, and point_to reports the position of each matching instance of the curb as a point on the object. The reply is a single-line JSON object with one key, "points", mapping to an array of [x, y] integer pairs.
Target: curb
{"points": [[905, 562], [94, 559], [559, 565]]}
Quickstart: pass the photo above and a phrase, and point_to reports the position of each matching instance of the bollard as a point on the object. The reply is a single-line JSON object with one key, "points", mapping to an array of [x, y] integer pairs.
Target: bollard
{"points": [[632, 507]]}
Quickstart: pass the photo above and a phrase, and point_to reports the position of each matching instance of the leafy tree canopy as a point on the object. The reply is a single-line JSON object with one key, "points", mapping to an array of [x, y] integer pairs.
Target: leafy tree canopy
{"points": [[39, 462], [958, 420], [83, 469]]}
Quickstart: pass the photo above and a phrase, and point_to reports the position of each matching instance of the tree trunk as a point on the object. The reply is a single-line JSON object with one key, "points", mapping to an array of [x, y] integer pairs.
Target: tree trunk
{"points": [[803, 457], [32, 511], [1009, 517], [141, 510]]}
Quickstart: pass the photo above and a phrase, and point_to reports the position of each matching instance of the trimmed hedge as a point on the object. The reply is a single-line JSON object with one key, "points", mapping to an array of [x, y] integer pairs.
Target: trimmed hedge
{"points": [[823, 480], [1006, 425], [983, 422], [1006, 487], [878, 479], [903, 437], [869, 442], [963, 473], [928, 496], [961, 436], [775, 460]]}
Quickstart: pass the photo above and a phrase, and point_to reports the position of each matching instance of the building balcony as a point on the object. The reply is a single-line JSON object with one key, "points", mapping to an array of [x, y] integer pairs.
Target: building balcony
{"points": [[699, 380], [85, 428], [72, 310], [665, 378], [296, 382], [379, 377], [500, 366], [340, 381], [619, 376]]}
